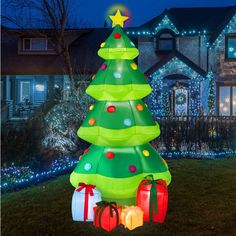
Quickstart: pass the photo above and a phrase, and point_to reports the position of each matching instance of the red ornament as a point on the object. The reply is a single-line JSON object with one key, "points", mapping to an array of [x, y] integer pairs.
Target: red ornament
{"points": [[158, 197], [107, 215], [117, 36], [86, 150], [103, 67], [132, 169], [110, 155], [111, 109]]}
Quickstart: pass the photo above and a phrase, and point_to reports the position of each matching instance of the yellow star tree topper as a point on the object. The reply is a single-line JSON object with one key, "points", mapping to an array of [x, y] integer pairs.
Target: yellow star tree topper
{"points": [[118, 19]]}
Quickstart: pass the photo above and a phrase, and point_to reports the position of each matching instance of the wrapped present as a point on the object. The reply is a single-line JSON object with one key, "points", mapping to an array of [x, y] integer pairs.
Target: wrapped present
{"points": [[152, 197], [107, 215], [132, 217], [83, 201]]}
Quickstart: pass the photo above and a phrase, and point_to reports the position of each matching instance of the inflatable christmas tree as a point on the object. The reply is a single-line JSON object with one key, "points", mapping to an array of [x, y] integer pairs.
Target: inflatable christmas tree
{"points": [[119, 125]]}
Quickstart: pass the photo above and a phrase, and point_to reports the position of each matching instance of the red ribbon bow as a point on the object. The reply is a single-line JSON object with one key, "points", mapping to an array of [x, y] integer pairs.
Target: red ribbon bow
{"points": [[88, 191]]}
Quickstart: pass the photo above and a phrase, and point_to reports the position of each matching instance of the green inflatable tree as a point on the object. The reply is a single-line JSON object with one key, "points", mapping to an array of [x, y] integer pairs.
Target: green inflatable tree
{"points": [[119, 125]]}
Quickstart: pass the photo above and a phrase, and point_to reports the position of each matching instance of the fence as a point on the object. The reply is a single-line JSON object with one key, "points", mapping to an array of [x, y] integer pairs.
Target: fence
{"points": [[196, 133]]}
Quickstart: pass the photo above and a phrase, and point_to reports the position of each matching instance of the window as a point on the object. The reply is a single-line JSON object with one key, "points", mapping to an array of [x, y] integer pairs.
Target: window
{"points": [[165, 42], [227, 100], [37, 44], [24, 91], [230, 50]]}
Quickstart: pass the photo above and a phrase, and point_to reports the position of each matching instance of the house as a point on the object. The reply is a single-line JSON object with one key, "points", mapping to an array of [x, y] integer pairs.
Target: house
{"points": [[189, 55]]}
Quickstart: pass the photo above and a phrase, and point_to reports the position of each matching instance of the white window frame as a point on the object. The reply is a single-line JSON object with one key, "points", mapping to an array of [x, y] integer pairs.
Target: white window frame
{"points": [[21, 90], [231, 100], [35, 50]]}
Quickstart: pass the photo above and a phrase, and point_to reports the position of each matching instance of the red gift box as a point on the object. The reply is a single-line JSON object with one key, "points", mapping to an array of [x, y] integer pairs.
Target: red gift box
{"points": [[107, 215], [152, 197]]}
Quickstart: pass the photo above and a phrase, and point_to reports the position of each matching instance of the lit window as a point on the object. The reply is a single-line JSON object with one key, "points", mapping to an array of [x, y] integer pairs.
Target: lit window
{"points": [[230, 47], [165, 42], [227, 100], [234, 101]]}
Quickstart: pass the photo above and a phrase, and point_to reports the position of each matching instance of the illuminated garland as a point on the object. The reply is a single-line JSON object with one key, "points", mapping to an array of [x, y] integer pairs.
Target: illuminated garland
{"points": [[166, 24], [211, 96], [229, 28], [198, 155], [15, 177], [174, 66]]}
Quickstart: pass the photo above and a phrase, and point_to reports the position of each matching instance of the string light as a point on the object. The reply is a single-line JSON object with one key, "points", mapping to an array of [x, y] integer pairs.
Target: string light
{"points": [[156, 98], [15, 177], [167, 24], [197, 154]]}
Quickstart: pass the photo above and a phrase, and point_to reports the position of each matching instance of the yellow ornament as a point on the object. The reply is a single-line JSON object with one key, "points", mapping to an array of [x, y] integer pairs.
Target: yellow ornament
{"points": [[93, 77], [102, 44], [118, 19], [91, 107], [133, 66], [146, 153], [131, 217]]}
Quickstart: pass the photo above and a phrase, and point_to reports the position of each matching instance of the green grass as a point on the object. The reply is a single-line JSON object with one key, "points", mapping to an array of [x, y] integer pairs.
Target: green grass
{"points": [[202, 201]]}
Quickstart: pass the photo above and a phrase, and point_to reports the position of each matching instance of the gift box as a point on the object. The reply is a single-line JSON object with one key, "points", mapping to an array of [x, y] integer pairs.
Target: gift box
{"points": [[83, 201], [152, 198], [132, 217], [107, 215]]}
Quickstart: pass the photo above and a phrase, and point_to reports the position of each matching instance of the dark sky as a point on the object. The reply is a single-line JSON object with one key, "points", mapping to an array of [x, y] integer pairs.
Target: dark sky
{"points": [[93, 12]]}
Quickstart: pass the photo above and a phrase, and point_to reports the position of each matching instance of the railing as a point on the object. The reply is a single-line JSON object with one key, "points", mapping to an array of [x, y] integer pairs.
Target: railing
{"points": [[196, 133]]}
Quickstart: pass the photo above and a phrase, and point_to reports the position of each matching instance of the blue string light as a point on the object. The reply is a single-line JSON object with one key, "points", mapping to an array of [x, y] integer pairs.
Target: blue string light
{"points": [[16, 177], [174, 66], [167, 24]]}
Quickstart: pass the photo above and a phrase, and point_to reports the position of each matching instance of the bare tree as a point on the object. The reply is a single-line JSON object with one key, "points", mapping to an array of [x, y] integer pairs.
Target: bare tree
{"points": [[53, 18], [39, 15]]}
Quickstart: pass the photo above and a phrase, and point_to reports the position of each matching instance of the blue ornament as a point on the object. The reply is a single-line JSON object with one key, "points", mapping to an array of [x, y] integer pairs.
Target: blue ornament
{"points": [[117, 75], [87, 166], [127, 122]]}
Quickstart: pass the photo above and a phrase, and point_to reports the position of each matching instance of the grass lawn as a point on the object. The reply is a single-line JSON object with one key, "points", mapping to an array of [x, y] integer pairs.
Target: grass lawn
{"points": [[202, 201]]}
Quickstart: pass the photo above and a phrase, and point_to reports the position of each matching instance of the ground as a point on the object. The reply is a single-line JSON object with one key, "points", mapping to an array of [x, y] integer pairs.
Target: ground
{"points": [[201, 202]]}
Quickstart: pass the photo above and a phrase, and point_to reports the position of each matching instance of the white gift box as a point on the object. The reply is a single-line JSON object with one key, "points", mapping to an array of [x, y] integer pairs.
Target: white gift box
{"points": [[79, 200]]}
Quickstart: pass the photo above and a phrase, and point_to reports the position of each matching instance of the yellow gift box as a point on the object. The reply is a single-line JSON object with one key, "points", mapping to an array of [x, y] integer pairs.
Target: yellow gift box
{"points": [[131, 217]]}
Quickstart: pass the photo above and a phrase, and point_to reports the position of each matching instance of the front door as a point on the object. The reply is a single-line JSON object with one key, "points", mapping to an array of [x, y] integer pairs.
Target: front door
{"points": [[180, 101]]}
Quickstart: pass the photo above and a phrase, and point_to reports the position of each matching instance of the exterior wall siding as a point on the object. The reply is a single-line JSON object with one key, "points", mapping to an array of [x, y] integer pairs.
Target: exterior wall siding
{"points": [[189, 46], [147, 55]]}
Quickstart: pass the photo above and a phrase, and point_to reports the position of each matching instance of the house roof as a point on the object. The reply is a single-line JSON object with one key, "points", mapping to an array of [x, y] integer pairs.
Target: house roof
{"points": [[13, 63], [83, 47], [211, 19], [182, 58]]}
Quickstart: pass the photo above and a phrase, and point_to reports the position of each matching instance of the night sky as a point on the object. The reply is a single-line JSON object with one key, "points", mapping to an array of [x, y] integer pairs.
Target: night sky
{"points": [[92, 12]]}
